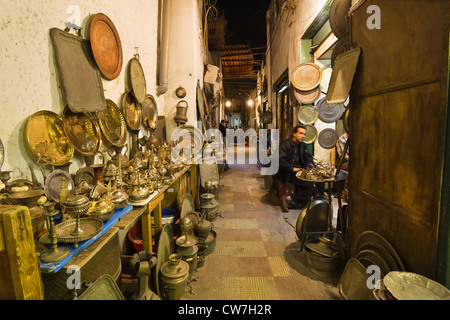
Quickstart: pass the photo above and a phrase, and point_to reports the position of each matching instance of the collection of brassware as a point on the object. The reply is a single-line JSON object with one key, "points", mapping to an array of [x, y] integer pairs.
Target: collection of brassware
{"points": [[320, 172]]}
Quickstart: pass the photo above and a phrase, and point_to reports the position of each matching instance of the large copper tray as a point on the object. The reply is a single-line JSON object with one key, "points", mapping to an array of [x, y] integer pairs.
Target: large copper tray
{"points": [[165, 247], [137, 81], [131, 111], [113, 124], [44, 136], [106, 46], [328, 138], [306, 76], [82, 131], [329, 113]]}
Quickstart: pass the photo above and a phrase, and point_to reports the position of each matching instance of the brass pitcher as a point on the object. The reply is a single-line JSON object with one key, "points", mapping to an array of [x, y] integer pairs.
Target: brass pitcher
{"points": [[180, 117]]}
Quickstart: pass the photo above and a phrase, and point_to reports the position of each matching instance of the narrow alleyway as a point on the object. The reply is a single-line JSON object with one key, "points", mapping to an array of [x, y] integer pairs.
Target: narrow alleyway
{"points": [[257, 255]]}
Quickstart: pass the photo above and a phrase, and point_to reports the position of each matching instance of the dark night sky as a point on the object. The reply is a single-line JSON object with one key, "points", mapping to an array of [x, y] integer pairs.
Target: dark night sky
{"points": [[246, 21]]}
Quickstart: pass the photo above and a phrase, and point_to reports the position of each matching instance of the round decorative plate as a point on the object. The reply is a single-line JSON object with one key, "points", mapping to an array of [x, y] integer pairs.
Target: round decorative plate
{"points": [[307, 114], [82, 131], [137, 79], [131, 111], [306, 76], [106, 46], [329, 113], [307, 97], [149, 109], [53, 184], [113, 124], [311, 134], [44, 136], [328, 138]]}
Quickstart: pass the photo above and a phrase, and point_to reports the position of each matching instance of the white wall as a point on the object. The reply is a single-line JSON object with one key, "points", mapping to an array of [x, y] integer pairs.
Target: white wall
{"points": [[28, 80], [186, 59]]}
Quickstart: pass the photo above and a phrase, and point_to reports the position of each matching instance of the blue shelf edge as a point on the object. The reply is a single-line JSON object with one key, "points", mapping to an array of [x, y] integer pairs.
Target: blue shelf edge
{"points": [[54, 267]]}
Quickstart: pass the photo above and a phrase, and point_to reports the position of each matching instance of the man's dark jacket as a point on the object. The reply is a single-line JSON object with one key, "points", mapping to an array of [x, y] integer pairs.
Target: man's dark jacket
{"points": [[292, 155]]}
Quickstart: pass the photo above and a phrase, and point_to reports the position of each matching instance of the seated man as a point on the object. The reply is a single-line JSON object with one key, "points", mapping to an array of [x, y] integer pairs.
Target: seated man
{"points": [[294, 156]]}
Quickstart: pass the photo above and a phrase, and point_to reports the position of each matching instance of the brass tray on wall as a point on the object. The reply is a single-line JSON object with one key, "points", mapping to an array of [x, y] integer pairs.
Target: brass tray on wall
{"points": [[149, 109], [311, 134], [307, 114], [112, 124], [137, 82], [131, 111], [82, 131], [306, 76], [106, 46], [44, 136]]}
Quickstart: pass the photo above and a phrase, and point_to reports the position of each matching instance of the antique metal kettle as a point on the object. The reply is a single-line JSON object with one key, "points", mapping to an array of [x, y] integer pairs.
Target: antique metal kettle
{"points": [[174, 277]]}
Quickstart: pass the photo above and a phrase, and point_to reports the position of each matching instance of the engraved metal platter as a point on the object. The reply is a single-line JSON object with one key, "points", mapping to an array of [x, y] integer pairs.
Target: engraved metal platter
{"points": [[306, 76], [131, 111], [2, 154], [82, 131], [311, 134], [329, 113], [106, 46], [165, 247], [149, 109], [112, 124], [306, 97], [137, 83], [413, 286], [328, 138], [53, 184], [44, 136], [307, 114], [89, 227]]}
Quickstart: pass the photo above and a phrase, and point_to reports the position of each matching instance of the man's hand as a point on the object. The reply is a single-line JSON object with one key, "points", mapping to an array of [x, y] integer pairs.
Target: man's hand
{"points": [[297, 169]]}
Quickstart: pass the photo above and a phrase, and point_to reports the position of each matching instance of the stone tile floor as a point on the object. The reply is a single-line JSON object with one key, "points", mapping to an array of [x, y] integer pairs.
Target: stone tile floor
{"points": [[257, 255]]}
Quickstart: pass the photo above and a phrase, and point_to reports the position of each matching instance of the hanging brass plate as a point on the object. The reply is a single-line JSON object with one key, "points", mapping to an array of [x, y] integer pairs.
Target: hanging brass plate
{"points": [[113, 124], [137, 80], [311, 134], [307, 114], [44, 136], [306, 76], [131, 111], [82, 131]]}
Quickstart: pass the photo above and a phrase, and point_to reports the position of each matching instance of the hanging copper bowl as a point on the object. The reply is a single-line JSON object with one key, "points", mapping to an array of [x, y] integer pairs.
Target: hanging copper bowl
{"points": [[306, 76], [106, 46], [112, 124], [131, 111], [82, 131], [44, 136]]}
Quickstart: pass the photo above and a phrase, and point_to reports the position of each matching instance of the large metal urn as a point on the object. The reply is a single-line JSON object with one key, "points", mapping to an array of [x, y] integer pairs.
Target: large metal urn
{"points": [[174, 277]]}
